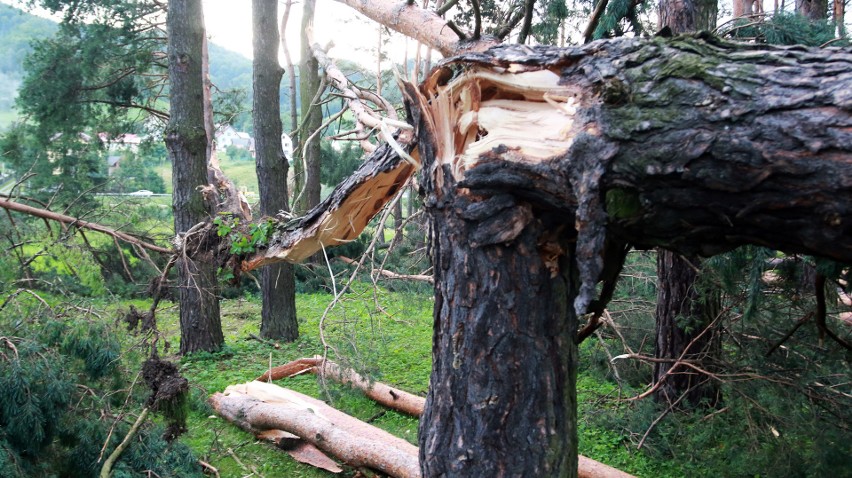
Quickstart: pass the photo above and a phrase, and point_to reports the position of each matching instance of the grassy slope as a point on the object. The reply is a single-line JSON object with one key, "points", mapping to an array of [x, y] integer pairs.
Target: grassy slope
{"points": [[242, 173]]}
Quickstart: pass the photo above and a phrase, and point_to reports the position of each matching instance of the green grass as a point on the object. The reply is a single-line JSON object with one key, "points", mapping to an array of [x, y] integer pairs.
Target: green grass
{"points": [[400, 350], [242, 173]]}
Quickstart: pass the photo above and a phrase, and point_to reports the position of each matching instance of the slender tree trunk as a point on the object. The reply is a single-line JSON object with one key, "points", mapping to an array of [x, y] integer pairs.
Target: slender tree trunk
{"points": [[678, 300], [309, 84], [186, 141], [278, 286], [688, 15], [682, 319]]}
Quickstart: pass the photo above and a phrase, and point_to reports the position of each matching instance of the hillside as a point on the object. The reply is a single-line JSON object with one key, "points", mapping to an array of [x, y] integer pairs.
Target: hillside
{"points": [[17, 30]]}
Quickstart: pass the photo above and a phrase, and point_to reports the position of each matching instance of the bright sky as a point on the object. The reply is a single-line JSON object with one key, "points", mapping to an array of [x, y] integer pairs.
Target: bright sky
{"points": [[229, 25], [355, 37]]}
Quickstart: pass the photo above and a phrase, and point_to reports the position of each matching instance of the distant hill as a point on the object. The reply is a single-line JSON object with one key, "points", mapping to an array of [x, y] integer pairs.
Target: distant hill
{"points": [[17, 30]]}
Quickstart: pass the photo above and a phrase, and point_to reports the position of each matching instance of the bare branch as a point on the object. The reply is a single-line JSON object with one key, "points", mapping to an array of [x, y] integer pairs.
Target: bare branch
{"points": [[73, 221]]}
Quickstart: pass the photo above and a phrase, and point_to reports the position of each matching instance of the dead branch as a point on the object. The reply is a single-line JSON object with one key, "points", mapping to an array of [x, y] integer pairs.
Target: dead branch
{"points": [[73, 221], [400, 400], [391, 274], [106, 470], [422, 25]]}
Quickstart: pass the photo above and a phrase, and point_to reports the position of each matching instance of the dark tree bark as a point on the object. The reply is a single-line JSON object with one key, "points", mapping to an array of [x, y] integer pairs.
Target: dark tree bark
{"points": [[682, 317], [186, 140], [812, 9], [687, 15], [536, 159], [502, 395], [278, 286], [667, 143], [309, 84]]}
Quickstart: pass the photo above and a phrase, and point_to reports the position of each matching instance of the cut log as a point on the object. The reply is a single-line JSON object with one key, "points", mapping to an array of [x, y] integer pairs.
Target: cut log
{"points": [[402, 401], [384, 394], [263, 406]]}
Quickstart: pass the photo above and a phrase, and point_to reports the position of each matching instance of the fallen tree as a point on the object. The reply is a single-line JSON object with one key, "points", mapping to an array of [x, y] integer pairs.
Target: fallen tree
{"points": [[540, 164], [257, 406]]}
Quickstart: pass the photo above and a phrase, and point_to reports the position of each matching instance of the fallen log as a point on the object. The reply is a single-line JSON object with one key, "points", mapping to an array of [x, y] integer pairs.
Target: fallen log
{"points": [[401, 401], [381, 393], [257, 406]]}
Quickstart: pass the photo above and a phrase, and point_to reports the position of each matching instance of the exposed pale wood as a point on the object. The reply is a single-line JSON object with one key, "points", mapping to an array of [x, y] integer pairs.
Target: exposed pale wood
{"points": [[298, 449], [263, 406], [344, 214]]}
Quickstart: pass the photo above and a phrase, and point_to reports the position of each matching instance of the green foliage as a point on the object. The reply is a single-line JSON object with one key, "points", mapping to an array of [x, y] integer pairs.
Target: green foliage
{"points": [[786, 29], [339, 163], [619, 18], [244, 240], [135, 173], [64, 167], [60, 375]]}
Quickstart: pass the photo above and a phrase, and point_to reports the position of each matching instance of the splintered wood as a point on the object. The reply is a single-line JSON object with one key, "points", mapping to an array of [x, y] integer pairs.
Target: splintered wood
{"points": [[519, 113]]}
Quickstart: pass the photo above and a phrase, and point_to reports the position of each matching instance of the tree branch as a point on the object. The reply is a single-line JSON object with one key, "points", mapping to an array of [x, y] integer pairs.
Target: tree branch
{"points": [[422, 25], [76, 222]]}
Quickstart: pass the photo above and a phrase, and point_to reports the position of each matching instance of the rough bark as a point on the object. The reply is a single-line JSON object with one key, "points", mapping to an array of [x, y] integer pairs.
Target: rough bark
{"points": [[186, 141], [641, 125], [309, 85], [682, 319], [812, 9], [682, 316], [261, 406], [535, 158], [687, 15], [278, 283]]}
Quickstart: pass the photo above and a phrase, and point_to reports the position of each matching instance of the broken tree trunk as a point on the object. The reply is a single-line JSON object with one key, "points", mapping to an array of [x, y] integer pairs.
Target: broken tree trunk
{"points": [[263, 406], [537, 159]]}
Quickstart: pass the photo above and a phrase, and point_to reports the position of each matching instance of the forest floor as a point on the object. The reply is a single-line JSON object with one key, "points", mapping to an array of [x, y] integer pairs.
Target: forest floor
{"points": [[384, 334]]}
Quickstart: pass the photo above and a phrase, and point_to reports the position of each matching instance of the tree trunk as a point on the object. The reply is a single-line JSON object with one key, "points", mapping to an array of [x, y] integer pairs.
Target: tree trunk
{"points": [[812, 9], [309, 84], [262, 406], [278, 286], [694, 144], [682, 319], [687, 15], [186, 141], [501, 399]]}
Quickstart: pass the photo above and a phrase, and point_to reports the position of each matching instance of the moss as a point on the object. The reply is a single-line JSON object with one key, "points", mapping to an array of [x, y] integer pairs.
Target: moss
{"points": [[691, 66], [623, 204]]}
